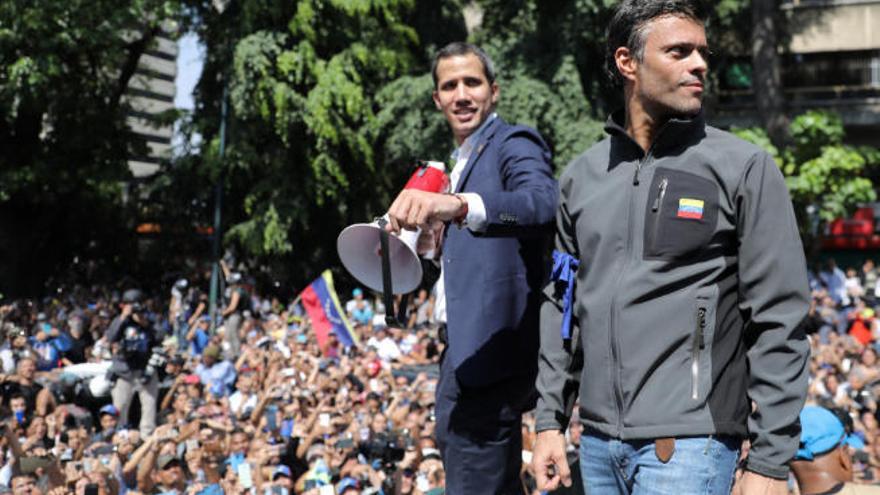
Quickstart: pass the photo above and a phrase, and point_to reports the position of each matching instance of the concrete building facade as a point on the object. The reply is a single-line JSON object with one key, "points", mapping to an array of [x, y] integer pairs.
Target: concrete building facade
{"points": [[832, 63], [150, 93]]}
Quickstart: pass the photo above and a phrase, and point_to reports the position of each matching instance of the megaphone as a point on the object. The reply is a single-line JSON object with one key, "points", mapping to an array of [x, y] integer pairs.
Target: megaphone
{"points": [[360, 245]]}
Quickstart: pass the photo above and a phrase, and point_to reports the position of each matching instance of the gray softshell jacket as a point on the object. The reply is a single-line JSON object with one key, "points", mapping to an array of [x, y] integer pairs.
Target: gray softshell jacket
{"points": [[688, 297]]}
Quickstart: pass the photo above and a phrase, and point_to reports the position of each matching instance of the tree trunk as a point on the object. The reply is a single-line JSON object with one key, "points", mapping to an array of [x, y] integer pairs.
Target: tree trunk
{"points": [[767, 71]]}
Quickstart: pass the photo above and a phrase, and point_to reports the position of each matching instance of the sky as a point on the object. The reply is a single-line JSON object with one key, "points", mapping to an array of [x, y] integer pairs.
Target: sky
{"points": [[190, 60]]}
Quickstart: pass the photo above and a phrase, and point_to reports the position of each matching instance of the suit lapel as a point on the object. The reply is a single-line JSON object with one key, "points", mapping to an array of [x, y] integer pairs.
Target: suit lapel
{"points": [[487, 135]]}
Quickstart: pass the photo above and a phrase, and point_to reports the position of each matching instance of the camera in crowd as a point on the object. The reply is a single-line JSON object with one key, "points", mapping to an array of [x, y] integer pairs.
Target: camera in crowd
{"points": [[388, 448], [158, 360]]}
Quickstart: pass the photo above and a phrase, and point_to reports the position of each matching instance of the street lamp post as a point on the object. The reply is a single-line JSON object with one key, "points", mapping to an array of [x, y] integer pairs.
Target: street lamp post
{"points": [[218, 215], [220, 7]]}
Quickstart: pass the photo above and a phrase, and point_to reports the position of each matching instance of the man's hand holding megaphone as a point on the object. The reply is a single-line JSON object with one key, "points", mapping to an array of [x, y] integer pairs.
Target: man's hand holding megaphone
{"points": [[415, 220], [414, 209]]}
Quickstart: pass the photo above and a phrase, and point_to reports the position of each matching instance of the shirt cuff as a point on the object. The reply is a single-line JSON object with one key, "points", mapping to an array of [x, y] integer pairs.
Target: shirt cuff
{"points": [[476, 216]]}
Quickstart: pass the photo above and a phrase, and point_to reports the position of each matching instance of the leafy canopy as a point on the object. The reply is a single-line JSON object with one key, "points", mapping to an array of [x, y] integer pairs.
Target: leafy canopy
{"points": [[823, 174]]}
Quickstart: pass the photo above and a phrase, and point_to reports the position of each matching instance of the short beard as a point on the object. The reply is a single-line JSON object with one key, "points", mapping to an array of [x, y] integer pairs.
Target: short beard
{"points": [[662, 112]]}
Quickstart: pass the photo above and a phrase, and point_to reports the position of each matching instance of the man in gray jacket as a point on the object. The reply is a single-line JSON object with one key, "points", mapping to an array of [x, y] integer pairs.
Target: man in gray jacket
{"points": [[680, 282]]}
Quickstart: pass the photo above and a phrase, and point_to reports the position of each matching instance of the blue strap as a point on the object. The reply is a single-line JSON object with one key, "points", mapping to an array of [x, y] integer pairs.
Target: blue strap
{"points": [[564, 270]]}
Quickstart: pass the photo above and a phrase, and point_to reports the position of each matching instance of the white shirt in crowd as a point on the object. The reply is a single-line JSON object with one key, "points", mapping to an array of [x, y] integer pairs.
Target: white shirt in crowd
{"points": [[386, 348], [239, 402]]}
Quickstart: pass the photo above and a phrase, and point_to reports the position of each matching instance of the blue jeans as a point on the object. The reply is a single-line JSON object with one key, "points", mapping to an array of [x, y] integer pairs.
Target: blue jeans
{"points": [[699, 465]]}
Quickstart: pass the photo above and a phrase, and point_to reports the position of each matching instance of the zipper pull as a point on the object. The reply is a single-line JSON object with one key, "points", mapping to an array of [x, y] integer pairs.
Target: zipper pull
{"points": [[636, 174], [701, 317], [660, 195]]}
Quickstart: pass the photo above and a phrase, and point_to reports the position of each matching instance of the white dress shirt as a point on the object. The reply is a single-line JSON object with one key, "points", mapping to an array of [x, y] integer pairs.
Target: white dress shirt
{"points": [[476, 215]]}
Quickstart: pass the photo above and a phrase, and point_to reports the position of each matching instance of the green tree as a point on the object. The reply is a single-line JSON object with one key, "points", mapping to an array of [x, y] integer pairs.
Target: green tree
{"points": [[826, 178], [301, 161], [331, 104], [330, 108], [65, 70]]}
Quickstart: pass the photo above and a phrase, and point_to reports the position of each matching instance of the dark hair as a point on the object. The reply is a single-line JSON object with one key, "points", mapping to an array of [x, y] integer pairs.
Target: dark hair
{"points": [[627, 27], [459, 48], [23, 474]]}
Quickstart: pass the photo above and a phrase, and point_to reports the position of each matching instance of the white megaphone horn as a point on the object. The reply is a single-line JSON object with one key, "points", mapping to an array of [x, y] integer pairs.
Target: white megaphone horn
{"points": [[360, 245]]}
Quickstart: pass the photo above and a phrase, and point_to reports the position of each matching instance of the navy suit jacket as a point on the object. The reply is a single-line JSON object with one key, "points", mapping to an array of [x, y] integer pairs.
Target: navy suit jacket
{"points": [[494, 278]]}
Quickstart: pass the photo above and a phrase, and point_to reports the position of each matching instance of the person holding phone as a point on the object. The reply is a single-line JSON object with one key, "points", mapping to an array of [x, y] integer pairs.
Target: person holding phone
{"points": [[282, 481], [244, 400], [216, 373], [239, 445]]}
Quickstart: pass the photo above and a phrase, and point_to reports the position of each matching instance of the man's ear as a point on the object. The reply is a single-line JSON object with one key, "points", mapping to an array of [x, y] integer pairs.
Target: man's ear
{"points": [[626, 62], [436, 97], [845, 461], [496, 93]]}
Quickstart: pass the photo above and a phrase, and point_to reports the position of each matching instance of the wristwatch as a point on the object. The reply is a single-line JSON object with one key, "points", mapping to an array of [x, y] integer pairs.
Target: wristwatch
{"points": [[461, 219]]}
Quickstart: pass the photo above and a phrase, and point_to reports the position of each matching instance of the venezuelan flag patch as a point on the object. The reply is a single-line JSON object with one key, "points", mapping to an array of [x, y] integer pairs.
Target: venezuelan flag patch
{"points": [[690, 208]]}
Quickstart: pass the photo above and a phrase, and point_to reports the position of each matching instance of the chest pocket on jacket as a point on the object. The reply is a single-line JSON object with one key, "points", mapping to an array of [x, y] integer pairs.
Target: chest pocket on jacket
{"points": [[681, 214]]}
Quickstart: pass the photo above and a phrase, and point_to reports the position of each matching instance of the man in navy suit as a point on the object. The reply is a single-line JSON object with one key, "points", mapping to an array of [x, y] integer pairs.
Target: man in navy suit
{"points": [[493, 228]]}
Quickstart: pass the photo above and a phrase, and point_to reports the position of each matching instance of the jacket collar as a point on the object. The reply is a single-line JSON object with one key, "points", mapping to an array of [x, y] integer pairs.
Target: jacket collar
{"points": [[485, 135], [676, 132], [471, 142]]}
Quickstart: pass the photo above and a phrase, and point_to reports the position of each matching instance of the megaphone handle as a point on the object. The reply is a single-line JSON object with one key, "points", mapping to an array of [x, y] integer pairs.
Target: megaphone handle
{"points": [[401, 311], [387, 295]]}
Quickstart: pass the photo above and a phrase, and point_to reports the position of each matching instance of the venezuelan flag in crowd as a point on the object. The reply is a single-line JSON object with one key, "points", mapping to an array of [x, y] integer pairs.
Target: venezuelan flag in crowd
{"points": [[322, 305]]}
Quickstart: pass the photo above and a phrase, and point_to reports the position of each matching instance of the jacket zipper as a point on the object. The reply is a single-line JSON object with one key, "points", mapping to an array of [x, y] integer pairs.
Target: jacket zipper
{"points": [[658, 201], [612, 334], [657, 208], [698, 346]]}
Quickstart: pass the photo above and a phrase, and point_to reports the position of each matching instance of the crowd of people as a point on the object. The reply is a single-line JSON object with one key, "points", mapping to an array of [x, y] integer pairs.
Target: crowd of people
{"points": [[121, 392], [108, 391], [845, 375]]}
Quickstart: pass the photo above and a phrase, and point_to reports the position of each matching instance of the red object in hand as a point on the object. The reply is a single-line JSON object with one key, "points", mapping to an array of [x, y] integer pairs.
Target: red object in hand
{"points": [[429, 177]]}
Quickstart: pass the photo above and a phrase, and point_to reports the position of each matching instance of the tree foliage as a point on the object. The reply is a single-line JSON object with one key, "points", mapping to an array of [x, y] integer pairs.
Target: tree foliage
{"points": [[64, 70], [301, 161], [330, 108], [826, 178]]}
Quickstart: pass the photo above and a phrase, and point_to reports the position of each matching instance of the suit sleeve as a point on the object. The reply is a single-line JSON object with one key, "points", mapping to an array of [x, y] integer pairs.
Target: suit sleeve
{"points": [[560, 361], [530, 192], [774, 298]]}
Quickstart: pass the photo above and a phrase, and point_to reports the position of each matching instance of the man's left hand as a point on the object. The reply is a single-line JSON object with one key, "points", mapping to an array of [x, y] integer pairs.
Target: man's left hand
{"points": [[419, 209], [756, 484]]}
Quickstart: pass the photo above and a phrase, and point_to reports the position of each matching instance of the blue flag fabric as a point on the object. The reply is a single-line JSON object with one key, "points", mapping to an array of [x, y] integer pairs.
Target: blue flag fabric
{"points": [[564, 270], [325, 311]]}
